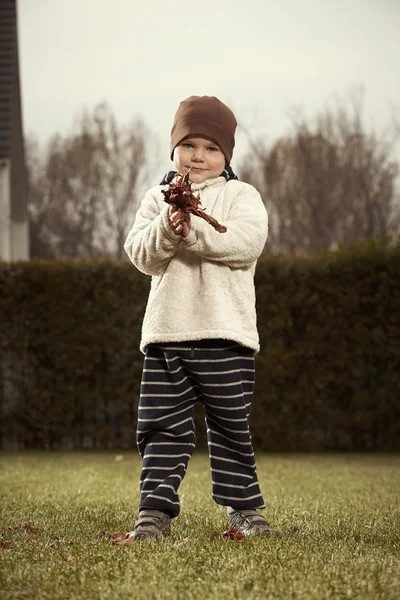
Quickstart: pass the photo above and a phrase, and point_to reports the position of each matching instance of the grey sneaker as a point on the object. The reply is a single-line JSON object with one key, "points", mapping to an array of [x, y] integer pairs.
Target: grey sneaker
{"points": [[251, 522], [152, 524]]}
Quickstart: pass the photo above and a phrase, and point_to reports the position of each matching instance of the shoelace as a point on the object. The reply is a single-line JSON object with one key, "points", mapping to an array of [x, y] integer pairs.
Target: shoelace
{"points": [[247, 517]]}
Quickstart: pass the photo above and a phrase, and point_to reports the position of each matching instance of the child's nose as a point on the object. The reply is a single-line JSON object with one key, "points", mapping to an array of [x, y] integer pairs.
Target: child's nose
{"points": [[198, 154]]}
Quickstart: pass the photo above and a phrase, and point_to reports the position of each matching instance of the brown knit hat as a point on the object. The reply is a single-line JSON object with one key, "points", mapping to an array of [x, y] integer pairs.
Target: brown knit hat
{"points": [[205, 116]]}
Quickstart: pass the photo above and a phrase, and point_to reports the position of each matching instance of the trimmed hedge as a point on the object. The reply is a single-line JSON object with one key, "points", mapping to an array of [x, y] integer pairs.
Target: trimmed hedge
{"points": [[328, 373], [329, 367], [70, 358]]}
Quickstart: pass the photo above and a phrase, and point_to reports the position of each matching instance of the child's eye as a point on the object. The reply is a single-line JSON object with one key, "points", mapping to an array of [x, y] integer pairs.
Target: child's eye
{"points": [[212, 149], [187, 145]]}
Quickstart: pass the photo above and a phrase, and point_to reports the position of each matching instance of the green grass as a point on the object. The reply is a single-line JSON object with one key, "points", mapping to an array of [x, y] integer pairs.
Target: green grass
{"points": [[347, 508]]}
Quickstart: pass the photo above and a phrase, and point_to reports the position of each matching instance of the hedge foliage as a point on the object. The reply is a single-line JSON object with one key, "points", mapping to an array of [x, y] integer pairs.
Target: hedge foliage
{"points": [[328, 373]]}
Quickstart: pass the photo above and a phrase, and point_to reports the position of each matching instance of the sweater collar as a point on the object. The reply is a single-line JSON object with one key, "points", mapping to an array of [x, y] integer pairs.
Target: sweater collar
{"points": [[196, 187], [226, 175]]}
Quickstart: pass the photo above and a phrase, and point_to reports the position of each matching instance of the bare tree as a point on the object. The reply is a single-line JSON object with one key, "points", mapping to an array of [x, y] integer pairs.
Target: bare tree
{"points": [[39, 239], [84, 192], [329, 183]]}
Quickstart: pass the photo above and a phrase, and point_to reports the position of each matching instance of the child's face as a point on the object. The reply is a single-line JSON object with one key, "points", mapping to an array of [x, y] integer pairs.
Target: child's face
{"points": [[202, 155]]}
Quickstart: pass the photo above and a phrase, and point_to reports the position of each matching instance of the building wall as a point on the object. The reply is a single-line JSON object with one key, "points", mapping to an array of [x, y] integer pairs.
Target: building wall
{"points": [[19, 241], [14, 235], [5, 209]]}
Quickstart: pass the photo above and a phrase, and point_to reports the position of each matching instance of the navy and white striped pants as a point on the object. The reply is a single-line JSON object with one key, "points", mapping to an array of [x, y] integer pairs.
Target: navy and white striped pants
{"points": [[220, 374]]}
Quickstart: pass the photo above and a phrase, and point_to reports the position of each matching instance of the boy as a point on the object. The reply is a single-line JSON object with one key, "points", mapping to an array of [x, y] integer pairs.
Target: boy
{"points": [[199, 332]]}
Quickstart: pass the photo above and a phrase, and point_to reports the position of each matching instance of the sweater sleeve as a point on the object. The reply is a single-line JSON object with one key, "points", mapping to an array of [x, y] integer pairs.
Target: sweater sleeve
{"points": [[151, 243], [244, 240]]}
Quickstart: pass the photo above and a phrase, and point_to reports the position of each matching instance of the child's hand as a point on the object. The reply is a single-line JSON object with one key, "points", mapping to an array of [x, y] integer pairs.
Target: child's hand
{"points": [[178, 225]]}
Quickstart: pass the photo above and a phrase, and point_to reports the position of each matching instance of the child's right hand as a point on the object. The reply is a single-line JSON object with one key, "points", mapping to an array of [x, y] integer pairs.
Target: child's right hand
{"points": [[178, 225]]}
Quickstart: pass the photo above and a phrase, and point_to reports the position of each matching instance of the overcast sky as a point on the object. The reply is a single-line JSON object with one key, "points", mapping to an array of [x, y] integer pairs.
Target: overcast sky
{"points": [[261, 57]]}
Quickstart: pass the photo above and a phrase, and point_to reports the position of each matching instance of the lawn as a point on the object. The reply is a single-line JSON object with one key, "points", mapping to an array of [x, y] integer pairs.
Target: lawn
{"points": [[346, 508]]}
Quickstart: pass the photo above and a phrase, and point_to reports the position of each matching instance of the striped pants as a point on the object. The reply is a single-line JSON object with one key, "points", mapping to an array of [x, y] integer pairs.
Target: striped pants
{"points": [[220, 374]]}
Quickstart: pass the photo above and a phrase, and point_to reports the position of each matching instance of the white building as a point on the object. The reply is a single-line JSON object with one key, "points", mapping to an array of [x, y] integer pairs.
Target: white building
{"points": [[14, 227]]}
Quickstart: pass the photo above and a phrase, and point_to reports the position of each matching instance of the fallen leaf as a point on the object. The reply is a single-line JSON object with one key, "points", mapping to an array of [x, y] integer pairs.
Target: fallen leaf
{"points": [[232, 534], [128, 541], [180, 196], [32, 537], [119, 457], [30, 527], [5, 545], [178, 544], [69, 558]]}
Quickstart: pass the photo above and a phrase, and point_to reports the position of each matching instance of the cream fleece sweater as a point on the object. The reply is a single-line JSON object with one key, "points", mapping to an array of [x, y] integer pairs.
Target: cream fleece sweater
{"points": [[202, 287]]}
